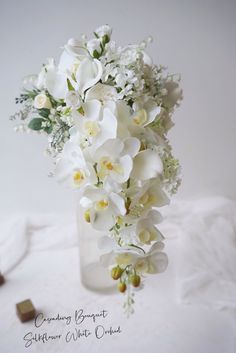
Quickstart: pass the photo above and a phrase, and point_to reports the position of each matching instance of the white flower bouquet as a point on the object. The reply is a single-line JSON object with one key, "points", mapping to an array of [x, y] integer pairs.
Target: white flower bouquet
{"points": [[106, 111]]}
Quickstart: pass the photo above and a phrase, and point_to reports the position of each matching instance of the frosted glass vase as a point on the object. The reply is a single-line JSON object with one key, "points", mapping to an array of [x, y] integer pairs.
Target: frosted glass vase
{"points": [[94, 276]]}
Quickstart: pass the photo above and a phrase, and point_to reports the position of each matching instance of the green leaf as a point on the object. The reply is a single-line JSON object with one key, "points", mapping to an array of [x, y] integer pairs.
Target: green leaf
{"points": [[44, 112], [95, 34], [35, 124], [69, 85]]}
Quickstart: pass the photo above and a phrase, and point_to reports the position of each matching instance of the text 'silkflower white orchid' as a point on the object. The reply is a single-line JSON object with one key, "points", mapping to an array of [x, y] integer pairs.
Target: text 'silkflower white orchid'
{"points": [[102, 208]]}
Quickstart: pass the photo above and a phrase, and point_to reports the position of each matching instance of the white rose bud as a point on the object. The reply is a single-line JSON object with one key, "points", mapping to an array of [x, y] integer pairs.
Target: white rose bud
{"points": [[94, 45], [42, 101], [103, 31], [73, 99]]}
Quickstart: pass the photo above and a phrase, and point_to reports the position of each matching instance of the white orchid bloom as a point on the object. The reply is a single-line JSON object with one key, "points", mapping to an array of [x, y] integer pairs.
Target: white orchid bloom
{"points": [[145, 112], [72, 168], [102, 208], [81, 74], [95, 125], [56, 77], [145, 229], [140, 230], [150, 195], [103, 93], [120, 256], [114, 159], [154, 261], [147, 164], [123, 113]]}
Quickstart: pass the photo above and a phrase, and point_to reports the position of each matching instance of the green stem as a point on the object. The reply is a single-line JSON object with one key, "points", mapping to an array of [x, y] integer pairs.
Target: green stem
{"points": [[137, 247]]}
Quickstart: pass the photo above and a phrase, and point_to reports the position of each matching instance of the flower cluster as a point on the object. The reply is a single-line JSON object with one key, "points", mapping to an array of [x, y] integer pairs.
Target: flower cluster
{"points": [[106, 111]]}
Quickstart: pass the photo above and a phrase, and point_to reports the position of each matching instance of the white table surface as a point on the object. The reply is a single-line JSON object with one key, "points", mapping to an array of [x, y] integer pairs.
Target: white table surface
{"points": [[49, 275]]}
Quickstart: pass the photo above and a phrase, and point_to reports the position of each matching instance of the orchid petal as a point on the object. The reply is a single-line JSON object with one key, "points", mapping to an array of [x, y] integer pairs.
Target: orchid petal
{"points": [[88, 74], [56, 84], [147, 164]]}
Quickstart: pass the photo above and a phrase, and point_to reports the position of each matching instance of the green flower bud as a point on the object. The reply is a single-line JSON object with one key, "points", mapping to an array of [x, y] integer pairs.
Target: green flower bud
{"points": [[116, 272], [135, 280], [122, 287]]}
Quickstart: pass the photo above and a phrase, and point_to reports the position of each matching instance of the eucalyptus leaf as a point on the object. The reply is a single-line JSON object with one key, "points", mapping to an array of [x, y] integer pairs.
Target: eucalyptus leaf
{"points": [[44, 112], [35, 124]]}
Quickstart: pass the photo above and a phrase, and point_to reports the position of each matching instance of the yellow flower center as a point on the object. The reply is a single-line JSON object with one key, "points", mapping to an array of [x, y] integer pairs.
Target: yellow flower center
{"points": [[91, 128], [78, 177], [145, 236], [147, 199], [140, 117], [101, 205], [106, 165]]}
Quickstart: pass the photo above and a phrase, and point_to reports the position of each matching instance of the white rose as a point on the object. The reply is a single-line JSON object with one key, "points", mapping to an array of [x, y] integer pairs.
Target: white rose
{"points": [[94, 44], [103, 30], [42, 101]]}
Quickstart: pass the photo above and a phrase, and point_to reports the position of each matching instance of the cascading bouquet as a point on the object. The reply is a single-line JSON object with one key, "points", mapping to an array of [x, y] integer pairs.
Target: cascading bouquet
{"points": [[106, 111]]}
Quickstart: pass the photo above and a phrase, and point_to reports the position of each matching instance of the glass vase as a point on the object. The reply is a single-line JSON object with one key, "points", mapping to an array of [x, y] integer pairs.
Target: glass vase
{"points": [[94, 276]]}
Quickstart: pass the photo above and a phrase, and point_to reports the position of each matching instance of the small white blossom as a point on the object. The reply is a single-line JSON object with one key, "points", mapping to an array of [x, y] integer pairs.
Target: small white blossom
{"points": [[94, 45], [103, 30]]}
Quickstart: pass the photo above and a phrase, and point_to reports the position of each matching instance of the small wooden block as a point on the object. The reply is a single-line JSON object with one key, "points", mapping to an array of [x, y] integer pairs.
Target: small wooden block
{"points": [[2, 279], [25, 310]]}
